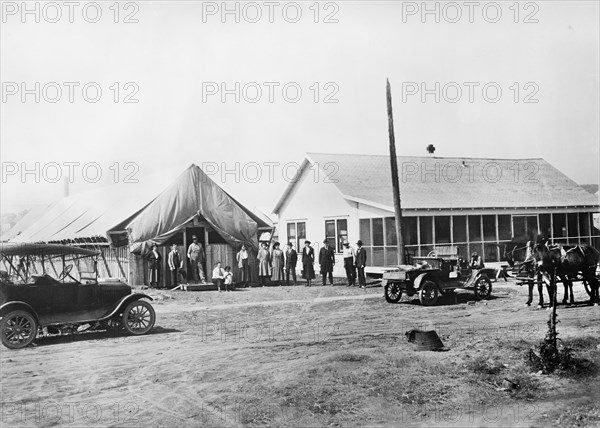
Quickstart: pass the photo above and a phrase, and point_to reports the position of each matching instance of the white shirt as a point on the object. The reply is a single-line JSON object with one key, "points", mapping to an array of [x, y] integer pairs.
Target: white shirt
{"points": [[217, 273], [348, 252]]}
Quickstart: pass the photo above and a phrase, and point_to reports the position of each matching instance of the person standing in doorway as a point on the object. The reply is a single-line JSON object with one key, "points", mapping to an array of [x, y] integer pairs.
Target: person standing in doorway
{"points": [[175, 263], [327, 260], [264, 264], [349, 255], [195, 254], [291, 259], [361, 262], [154, 262], [308, 259], [242, 260]]}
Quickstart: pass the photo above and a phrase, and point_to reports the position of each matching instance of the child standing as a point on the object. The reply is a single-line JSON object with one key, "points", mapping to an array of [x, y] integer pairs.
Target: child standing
{"points": [[228, 279]]}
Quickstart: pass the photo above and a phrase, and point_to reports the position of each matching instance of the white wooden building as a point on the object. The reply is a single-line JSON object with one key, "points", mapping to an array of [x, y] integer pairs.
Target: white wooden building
{"points": [[474, 204]]}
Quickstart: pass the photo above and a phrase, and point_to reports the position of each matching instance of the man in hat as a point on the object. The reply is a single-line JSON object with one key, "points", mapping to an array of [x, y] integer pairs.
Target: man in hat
{"points": [[291, 259], [327, 260], [360, 263], [195, 253], [476, 262], [243, 266], [349, 254], [175, 264]]}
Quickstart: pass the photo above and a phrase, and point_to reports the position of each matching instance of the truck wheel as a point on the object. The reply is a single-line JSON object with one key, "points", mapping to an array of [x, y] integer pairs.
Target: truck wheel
{"points": [[428, 294], [19, 329], [393, 292], [138, 317], [483, 288]]}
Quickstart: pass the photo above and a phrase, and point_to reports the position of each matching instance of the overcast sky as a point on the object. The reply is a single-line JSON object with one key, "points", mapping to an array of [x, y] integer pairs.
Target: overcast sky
{"points": [[176, 50]]}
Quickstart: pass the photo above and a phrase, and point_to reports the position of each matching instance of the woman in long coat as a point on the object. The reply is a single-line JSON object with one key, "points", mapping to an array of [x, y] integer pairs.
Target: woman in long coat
{"points": [[154, 263], [278, 262], [264, 263], [308, 258]]}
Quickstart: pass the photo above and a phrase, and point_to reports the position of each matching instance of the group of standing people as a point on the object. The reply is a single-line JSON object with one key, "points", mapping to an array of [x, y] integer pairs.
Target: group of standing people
{"points": [[277, 264], [195, 254]]}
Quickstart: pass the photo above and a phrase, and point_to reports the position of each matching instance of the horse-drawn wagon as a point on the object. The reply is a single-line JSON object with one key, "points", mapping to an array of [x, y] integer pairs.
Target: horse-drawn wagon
{"points": [[538, 264], [440, 272]]}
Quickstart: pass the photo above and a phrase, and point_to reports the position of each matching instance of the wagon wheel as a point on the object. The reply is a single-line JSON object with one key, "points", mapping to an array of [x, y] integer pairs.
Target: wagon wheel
{"points": [[428, 294], [18, 329], [393, 292], [138, 317], [483, 288]]}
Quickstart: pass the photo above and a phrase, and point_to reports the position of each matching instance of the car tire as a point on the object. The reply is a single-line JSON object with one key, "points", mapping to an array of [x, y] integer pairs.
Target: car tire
{"points": [[393, 292], [18, 329], [428, 294], [483, 288], [138, 317]]}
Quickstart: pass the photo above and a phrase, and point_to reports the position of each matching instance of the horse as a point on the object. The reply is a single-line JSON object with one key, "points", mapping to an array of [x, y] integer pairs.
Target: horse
{"points": [[516, 255], [567, 262]]}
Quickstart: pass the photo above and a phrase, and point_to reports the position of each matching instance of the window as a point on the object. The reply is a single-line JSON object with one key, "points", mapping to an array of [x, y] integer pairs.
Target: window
{"points": [[572, 225], [489, 228], [559, 224], [378, 232], [459, 228], [442, 229], [475, 228], [390, 231], [296, 233], [364, 231], [426, 229], [336, 232], [504, 227], [330, 230], [584, 224], [409, 230], [545, 230]]}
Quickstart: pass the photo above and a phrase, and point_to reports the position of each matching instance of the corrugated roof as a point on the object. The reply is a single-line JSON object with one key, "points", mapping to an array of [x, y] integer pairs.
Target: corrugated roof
{"points": [[452, 183]]}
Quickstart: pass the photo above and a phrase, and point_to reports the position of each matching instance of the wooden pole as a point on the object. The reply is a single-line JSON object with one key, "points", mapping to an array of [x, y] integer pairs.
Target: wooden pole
{"points": [[395, 181]]}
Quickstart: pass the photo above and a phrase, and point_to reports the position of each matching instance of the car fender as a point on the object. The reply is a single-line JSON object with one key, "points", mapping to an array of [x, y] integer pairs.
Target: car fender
{"points": [[16, 305], [422, 278], [124, 302]]}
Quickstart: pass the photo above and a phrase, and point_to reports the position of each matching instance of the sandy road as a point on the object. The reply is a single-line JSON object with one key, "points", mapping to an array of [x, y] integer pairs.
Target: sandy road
{"points": [[206, 346]]}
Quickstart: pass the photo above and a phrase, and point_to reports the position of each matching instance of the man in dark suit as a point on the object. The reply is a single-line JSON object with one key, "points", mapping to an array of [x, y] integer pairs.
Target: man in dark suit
{"points": [[327, 260], [361, 262], [291, 259]]}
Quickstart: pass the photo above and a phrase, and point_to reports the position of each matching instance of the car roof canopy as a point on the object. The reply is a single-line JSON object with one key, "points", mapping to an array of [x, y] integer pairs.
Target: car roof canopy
{"points": [[32, 249]]}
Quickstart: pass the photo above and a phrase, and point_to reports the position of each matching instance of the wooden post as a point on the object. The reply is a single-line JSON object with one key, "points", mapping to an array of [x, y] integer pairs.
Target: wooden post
{"points": [[116, 255], [105, 262], [395, 181]]}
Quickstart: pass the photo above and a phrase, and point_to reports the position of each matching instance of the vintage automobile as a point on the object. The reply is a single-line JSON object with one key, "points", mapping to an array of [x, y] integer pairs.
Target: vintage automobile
{"points": [[438, 273], [32, 300]]}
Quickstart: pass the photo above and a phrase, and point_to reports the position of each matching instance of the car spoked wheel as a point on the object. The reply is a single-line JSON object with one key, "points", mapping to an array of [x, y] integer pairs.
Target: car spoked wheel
{"points": [[393, 293], [483, 288], [19, 329], [428, 294], [138, 317]]}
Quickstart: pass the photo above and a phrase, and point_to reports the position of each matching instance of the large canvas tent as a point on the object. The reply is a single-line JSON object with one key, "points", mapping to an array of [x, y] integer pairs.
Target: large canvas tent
{"points": [[192, 195]]}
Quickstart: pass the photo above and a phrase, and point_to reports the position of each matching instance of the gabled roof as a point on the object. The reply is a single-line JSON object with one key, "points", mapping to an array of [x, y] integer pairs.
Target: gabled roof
{"points": [[449, 182]]}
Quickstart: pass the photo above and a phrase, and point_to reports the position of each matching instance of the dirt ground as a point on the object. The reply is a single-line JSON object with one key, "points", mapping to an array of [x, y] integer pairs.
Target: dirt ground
{"points": [[320, 356]]}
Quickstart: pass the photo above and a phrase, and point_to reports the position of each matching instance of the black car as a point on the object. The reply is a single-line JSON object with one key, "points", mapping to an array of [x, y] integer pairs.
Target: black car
{"points": [[51, 287]]}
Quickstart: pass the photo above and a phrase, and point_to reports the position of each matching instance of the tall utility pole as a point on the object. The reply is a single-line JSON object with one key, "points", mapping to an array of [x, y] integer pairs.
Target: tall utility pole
{"points": [[395, 181]]}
